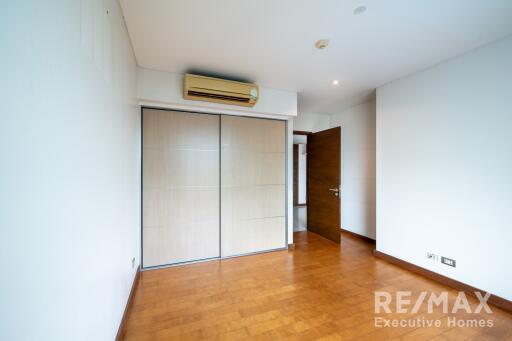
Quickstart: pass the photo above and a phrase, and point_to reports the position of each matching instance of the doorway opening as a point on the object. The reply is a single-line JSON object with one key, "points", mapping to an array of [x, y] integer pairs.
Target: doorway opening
{"points": [[300, 140], [316, 182]]}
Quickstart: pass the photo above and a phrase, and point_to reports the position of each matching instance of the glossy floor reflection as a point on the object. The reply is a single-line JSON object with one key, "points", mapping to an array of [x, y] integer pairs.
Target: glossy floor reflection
{"points": [[319, 290]]}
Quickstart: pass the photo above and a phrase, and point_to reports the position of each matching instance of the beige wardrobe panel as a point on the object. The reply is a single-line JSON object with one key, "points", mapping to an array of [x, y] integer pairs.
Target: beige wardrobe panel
{"points": [[180, 187], [253, 193]]}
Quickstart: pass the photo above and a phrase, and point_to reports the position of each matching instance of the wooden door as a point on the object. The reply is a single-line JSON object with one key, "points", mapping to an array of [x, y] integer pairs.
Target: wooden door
{"points": [[323, 183]]}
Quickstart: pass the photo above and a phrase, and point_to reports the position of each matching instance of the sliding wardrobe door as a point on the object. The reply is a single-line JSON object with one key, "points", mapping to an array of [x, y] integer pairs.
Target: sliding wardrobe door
{"points": [[180, 187], [252, 185]]}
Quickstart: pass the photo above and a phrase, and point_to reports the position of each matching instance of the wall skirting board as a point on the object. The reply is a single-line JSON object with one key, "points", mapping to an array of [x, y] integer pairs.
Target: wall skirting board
{"points": [[122, 326], [468, 290], [360, 236]]}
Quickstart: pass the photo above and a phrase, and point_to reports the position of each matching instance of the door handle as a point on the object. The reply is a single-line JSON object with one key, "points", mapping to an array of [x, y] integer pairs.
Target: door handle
{"points": [[336, 191]]}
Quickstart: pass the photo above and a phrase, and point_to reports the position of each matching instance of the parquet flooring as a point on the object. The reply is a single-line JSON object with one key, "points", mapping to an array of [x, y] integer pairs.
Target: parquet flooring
{"points": [[318, 291]]}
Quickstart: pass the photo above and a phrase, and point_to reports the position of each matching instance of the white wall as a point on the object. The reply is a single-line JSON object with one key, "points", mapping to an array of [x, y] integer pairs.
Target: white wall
{"points": [[311, 122], [444, 166], [302, 173], [357, 168], [69, 174]]}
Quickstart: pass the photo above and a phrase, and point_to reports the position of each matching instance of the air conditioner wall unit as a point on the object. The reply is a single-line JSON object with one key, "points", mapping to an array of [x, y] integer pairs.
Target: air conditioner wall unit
{"points": [[201, 88]]}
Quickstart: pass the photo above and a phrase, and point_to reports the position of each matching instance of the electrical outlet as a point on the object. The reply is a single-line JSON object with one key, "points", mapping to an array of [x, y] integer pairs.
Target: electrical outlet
{"points": [[133, 262], [432, 256], [448, 261]]}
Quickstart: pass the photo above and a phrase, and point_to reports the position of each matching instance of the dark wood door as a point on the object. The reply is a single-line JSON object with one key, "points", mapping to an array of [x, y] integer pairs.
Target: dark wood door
{"points": [[323, 183]]}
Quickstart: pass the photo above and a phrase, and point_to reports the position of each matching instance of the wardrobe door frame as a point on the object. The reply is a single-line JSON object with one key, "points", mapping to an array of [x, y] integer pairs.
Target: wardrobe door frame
{"points": [[285, 247]]}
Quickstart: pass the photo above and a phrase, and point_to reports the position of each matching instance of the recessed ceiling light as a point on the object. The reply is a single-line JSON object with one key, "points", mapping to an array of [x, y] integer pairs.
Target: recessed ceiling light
{"points": [[360, 10], [335, 82], [322, 44]]}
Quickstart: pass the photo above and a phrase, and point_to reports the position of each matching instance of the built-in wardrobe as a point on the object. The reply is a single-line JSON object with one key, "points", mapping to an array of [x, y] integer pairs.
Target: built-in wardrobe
{"points": [[213, 186]]}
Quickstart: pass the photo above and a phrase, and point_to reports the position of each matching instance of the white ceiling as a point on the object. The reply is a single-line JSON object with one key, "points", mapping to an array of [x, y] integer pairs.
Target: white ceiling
{"points": [[271, 42]]}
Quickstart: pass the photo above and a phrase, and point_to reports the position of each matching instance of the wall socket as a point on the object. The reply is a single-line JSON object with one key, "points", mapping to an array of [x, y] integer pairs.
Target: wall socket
{"points": [[133, 262], [444, 260], [448, 261]]}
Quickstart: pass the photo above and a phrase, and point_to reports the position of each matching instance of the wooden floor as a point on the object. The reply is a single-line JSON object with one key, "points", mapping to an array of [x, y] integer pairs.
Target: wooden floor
{"points": [[320, 290]]}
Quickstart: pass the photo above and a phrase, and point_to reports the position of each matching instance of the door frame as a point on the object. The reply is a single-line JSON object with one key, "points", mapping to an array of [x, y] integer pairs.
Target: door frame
{"points": [[210, 112]]}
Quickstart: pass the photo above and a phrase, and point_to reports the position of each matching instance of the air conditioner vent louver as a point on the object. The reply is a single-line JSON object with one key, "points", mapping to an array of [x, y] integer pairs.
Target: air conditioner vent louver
{"points": [[222, 97], [217, 90]]}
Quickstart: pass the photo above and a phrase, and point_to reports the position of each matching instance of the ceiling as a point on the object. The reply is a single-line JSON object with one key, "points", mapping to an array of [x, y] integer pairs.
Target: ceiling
{"points": [[271, 42]]}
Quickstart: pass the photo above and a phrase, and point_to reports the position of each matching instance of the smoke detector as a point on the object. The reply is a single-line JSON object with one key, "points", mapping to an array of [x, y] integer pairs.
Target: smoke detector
{"points": [[322, 44]]}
